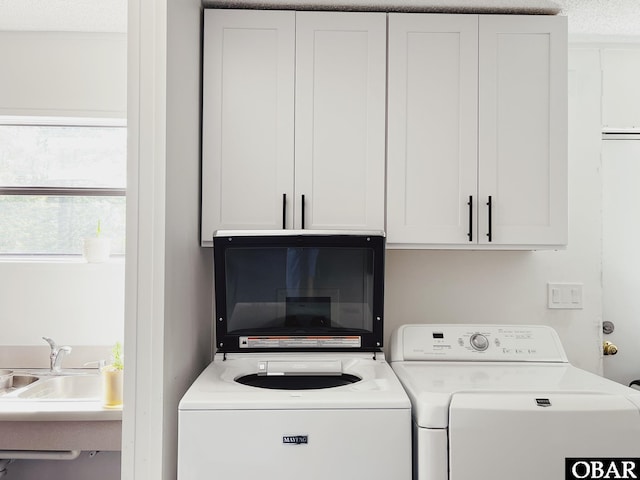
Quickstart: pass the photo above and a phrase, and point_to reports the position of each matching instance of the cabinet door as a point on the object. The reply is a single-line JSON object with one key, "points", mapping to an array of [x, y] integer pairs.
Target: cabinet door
{"points": [[247, 134], [340, 119], [620, 93], [523, 130], [432, 129]]}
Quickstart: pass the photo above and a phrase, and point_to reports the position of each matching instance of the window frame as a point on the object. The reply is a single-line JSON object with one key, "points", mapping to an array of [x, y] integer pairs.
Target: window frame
{"points": [[59, 121]]}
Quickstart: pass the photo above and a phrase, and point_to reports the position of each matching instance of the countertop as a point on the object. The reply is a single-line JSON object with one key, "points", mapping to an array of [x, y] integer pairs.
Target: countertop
{"points": [[56, 410], [22, 409], [53, 424]]}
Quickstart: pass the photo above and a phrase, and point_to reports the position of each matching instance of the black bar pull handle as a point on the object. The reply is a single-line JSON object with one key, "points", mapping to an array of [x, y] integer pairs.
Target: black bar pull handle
{"points": [[302, 214], [490, 205], [470, 203], [284, 211]]}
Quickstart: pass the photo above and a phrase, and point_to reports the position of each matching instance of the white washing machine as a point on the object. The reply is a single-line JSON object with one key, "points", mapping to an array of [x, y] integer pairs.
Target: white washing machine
{"points": [[298, 388], [502, 402]]}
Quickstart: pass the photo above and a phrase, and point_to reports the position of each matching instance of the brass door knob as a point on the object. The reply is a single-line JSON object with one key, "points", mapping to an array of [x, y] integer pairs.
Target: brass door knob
{"points": [[609, 348]]}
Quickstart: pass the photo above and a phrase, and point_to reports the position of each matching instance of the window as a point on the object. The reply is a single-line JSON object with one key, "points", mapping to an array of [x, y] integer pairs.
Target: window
{"points": [[59, 179]]}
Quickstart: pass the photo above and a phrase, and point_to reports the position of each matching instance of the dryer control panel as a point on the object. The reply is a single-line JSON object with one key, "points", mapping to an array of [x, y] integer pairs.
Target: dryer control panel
{"points": [[490, 343]]}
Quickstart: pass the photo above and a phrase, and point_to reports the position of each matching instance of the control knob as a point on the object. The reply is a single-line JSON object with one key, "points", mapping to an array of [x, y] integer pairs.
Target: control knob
{"points": [[479, 342]]}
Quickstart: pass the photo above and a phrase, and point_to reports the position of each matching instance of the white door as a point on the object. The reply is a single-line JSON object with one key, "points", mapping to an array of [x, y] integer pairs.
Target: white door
{"points": [[522, 130], [621, 255], [248, 128], [340, 120], [432, 129]]}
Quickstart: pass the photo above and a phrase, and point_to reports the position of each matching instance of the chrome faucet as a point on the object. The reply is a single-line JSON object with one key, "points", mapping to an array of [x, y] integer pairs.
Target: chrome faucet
{"points": [[55, 357]]}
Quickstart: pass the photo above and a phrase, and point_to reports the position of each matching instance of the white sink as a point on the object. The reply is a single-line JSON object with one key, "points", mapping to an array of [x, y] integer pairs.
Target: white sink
{"points": [[72, 387]]}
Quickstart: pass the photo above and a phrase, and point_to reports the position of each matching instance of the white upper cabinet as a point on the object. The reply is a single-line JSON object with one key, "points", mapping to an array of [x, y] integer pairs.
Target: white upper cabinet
{"points": [[477, 132], [248, 108], [296, 106], [340, 120], [522, 152], [432, 128], [293, 120]]}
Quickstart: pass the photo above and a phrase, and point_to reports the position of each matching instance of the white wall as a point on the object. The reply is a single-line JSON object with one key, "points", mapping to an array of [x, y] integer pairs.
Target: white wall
{"points": [[73, 302], [511, 287], [189, 268], [76, 74], [169, 277]]}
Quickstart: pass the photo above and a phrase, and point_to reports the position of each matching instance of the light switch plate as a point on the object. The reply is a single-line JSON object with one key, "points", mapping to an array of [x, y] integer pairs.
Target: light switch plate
{"points": [[564, 295]]}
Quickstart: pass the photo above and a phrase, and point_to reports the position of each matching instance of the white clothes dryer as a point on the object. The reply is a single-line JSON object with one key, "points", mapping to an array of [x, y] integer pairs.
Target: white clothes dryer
{"points": [[502, 402], [299, 387]]}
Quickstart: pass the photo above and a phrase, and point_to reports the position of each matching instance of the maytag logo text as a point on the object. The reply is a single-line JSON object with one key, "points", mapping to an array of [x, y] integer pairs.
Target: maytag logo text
{"points": [[295, 439]]}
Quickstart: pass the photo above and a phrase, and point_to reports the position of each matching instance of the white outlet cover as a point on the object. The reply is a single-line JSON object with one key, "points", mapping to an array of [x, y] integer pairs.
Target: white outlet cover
{"points": [[566, 296]]}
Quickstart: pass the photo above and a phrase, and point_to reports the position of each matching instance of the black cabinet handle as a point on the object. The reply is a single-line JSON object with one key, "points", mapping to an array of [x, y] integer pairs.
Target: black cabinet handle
{"points": [[490, 205], [470, 203], [302, 212], [284, 211]]}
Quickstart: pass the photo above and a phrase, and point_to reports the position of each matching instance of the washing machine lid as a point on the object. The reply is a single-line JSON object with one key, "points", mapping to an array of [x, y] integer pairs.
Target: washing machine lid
{"points": [[298, 290], [437, 362], [433, 386]]}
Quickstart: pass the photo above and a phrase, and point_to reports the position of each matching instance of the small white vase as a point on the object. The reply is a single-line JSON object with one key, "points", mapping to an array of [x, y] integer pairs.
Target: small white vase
{"points": [[96, 249]]}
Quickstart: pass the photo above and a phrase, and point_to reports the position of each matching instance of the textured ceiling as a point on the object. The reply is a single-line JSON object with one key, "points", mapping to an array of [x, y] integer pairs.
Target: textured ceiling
{"points": [[602, 17], [599, 17], [64, 15]]}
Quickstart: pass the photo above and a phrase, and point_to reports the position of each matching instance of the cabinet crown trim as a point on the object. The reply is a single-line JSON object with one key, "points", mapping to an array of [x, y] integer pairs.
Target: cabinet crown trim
{"points": [[519, 7]]}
